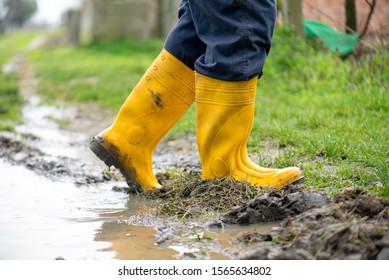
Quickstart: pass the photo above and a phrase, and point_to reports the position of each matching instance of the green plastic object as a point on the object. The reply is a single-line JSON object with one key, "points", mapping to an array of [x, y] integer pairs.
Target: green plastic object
{"points": [[335, 40]]}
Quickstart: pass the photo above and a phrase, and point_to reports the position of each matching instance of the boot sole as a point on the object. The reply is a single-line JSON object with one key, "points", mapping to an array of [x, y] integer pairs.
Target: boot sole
{"points": [[298, 181], [108, 158]]}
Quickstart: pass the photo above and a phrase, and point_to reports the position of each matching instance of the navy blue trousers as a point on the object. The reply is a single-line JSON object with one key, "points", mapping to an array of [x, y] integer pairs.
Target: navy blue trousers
{"points": [[223, 39]]}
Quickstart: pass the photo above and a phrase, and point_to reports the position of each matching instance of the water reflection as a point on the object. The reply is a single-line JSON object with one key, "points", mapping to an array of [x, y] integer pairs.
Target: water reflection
{"points": [[41, 219]]}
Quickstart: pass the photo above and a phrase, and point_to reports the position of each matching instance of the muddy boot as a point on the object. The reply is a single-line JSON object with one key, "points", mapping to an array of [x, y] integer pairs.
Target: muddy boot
{"points": [[161, 97], [224, 117]]}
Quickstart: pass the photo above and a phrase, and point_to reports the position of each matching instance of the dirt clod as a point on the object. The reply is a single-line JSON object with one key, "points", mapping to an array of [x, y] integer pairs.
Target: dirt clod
{"points": [[275, 206]]}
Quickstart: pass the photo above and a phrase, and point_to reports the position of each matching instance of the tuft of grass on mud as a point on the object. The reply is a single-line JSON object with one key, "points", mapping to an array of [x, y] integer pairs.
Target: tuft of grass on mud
{"points": [[185, 195], [14, 43]]}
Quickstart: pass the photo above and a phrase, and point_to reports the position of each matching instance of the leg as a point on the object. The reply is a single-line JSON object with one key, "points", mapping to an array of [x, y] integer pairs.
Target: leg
{"points": [[161, 97], [183, 41], [226, 80], [237, 34]]}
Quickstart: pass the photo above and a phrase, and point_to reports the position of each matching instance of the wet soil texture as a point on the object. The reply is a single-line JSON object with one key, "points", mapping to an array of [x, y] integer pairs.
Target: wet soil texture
{"points": [[354, 226]]}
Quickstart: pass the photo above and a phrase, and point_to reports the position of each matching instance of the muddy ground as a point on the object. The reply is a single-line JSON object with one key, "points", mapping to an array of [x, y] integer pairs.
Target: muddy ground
{"points": [[298, 223]]}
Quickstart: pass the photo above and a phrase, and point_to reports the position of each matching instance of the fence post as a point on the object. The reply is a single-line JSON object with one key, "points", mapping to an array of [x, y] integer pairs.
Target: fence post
{"points": [[293, 14]]}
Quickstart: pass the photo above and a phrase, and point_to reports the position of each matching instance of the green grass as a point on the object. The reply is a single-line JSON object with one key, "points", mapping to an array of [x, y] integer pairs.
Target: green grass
{"points": [[11, 45], [10, 102], [14, 43], [104, 73], [326, 114], [322, 113]]}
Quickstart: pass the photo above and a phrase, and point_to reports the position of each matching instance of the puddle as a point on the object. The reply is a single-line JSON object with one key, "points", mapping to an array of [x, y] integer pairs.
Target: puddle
{"points": [[45, 219], [41, 219]]}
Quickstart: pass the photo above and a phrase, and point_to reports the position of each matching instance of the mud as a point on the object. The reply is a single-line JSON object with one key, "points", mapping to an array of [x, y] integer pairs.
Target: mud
{"points": [[18, 153], [354, 226], [156, 96], [274, 206], [64, 194]]}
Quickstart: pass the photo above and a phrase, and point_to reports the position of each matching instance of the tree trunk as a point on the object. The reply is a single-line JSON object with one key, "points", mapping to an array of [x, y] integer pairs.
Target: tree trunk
{"points": [[293, 14], [351, 16], [372, 5], [166, 17]]}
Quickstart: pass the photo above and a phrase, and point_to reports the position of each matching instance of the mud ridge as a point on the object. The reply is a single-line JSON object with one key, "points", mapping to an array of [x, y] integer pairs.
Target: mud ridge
{"points": [[19, 152], [273, 206], [354, 226]]}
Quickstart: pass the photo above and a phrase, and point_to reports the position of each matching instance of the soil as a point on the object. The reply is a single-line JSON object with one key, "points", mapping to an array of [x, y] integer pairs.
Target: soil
{"points": [[304, 224], [274, 206], [354, 226]]}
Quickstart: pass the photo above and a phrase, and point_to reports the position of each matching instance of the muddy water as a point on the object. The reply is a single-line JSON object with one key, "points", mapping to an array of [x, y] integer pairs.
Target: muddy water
{"points": [[55, 202], [42, 219], [45, 219]]}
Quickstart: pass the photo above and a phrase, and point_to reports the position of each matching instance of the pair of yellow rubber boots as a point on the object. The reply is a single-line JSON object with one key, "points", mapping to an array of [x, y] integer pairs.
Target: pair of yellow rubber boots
{"points": [[224, 117]]}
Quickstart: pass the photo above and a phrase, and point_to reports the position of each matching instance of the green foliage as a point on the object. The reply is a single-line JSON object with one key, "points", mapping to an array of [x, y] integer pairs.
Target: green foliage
{"points": [[17, 12], [320, 108]]}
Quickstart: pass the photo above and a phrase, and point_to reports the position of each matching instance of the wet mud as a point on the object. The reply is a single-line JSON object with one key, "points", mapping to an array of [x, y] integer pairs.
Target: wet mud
{"points": [[354, 226], [18, 153], [274, 206], [64, 194]]}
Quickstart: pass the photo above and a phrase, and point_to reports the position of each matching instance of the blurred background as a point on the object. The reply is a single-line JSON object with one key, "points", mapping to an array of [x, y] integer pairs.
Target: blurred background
{"points": [[90, 20]]}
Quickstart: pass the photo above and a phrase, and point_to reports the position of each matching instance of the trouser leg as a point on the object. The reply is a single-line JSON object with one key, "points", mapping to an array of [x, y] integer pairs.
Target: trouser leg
{"points": [[224, 39], [183, 41], [237, 34]]}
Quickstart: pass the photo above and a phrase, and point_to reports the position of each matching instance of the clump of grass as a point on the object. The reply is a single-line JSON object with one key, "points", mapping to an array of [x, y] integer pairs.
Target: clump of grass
{"points": [[185, 195]]}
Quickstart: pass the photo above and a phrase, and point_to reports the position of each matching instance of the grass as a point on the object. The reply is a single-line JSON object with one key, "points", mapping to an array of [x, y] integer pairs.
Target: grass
{"points": [[104, 73], [10, 102], [315, 110], [14, 43], [326, 114], [11, 45]]}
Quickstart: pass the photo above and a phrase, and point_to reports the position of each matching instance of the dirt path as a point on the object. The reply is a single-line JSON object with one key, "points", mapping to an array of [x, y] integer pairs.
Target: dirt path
{"points": [[288, 224]]}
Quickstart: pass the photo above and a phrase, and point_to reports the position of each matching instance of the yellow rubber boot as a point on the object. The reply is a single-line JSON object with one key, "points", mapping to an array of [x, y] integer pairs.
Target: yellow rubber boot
{"points": [[161, 97], [224, 116]]}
